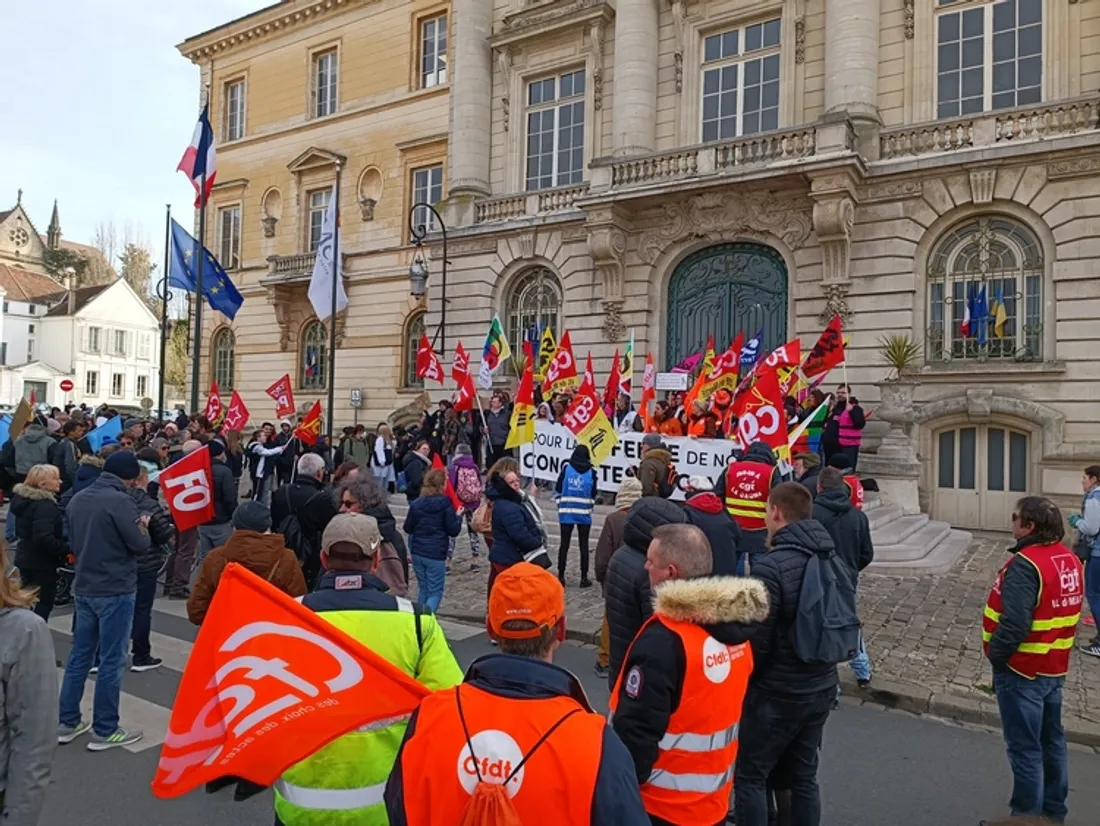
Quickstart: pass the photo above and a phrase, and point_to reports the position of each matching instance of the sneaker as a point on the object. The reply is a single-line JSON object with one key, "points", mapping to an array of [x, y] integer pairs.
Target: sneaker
{"points": [[474, 566], [66, 734], [120, 737], [94, 669], [864, 683], [146, 663], [179, 595], [1092, 649], [602, 669], [586, 583]]}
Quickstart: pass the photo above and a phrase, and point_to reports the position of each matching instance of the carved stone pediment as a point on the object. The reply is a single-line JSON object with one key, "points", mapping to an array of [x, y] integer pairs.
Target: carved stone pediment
{"points": [[540, 18], [723, 216], [316, 158]]}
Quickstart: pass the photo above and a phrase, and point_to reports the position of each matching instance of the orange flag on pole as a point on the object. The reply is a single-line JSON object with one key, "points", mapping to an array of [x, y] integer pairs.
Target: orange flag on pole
{"points": [[309, 431], [267, 684]]}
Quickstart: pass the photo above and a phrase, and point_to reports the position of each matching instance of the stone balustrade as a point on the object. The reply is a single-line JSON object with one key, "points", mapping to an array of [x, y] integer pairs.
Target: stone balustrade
{"points": [[767, 147], [1066, 118], [286, 265], [662, 166], [553, 200], [540, 202], [922, 139], [500, 208]]}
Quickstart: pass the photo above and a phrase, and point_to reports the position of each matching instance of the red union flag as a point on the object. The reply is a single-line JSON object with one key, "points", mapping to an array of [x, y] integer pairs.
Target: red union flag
{"points": [[590, 425], [188, 486], [309, 431], [236, 416], [789, 355], [460, 364], [281, 393], [268, 683], [428, 365], [828, 352], [213, 403], [561, 373], [760, 414], [465, 396]]}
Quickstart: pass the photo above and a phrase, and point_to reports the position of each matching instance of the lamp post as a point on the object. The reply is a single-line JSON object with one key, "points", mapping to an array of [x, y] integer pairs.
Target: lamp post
{"points": [[418, 270]]}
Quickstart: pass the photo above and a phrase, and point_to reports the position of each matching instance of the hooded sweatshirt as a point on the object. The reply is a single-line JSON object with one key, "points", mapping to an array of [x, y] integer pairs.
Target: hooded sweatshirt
{"points": [[32, 448], [847, 525], [707, 511]]}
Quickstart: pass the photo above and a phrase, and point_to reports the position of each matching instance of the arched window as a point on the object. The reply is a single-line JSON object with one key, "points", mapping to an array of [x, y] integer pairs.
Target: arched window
{"points": [[225, 344], [985, 293], [414, 329], [534, 303], [314, 356]]}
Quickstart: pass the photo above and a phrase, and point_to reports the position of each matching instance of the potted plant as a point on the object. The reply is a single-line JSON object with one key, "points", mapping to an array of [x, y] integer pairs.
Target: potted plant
{"points": [[897, 390], [901, 353]]}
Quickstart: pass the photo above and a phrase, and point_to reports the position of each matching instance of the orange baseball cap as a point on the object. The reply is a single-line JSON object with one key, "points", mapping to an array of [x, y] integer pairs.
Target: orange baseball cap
{"points": [[525, 592]]}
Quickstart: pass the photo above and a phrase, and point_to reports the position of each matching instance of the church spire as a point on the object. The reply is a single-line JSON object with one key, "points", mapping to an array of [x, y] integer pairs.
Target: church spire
{"points": [[53, 232]]}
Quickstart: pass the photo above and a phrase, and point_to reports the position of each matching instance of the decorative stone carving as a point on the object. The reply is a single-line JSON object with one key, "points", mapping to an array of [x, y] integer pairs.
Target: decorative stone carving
{"points": [[596, 34], [800, 40], [896, 409], [526, 244], [982, 184], [504, 61], [341, 327], [607, 246], [280, 299], [1073, 168], [272, 206], [891, 191], [834, 218], [722, 216], [366, 206], [368, 190], [527, 20], [613, 327], [269, 222], [836, 303], [979, 404], [678, 31], [909, 19]]}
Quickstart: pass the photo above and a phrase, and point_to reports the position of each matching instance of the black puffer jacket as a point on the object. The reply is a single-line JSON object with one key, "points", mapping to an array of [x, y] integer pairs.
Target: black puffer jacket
{"points": [[847, 525], [776, 669], [628, 598], [38, 526], [387, 526], [162, 531]]}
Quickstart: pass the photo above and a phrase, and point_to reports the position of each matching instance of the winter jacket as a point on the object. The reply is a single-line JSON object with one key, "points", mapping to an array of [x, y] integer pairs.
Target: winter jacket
{"points": [[387, 526], [727, 608], [430, 524], [162, 531], [261, 553], [776, 668], [498, 424], [358, 451], [809, 481], [708, 513], [225, 493], [516, 531], [38, 526], [263, 459], [309, 500], [285, 461], [415, 467], [28, 708], [1019, 596], [752, 542], [65, 455], [611, 537], [653, 473], [32, 448], [106, 536], [847, 525], [627, 583], [469, 463]]}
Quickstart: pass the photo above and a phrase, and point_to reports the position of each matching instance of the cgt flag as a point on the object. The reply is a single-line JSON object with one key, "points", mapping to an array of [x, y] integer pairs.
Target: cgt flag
{"points": [[236, 415], [522, 427], [188, 486], [590, 425], [466, 395], [724, 374], [561, 374], [283, 396], [213, 403], [589, 371], [428, 365], [268, 683], [460, 364], [309, 431], [828, 352], [614, 380], [761, 416]]}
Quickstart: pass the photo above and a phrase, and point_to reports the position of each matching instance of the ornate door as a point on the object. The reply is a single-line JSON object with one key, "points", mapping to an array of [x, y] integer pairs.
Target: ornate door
{"points": [[726, 289]]}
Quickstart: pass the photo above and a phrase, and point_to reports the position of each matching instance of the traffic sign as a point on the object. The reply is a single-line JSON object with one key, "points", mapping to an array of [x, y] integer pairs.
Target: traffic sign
{"points": [[67, 385]]}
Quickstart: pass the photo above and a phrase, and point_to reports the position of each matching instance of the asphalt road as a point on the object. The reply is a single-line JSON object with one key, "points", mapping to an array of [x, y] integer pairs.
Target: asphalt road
{"points": [[878, 768]]}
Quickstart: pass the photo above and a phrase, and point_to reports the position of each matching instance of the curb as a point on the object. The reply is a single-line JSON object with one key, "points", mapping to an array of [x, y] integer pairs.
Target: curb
{"points": [[917, 699]]}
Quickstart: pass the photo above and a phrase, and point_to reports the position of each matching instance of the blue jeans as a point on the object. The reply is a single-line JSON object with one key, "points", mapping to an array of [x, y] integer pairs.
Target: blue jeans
{"points": [[1031, 718], [431, 575], [9, 527], [1092, 590], [104, 622]]}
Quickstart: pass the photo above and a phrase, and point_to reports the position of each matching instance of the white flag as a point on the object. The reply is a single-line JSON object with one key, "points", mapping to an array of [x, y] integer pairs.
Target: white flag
{"points": [[326, 266]]}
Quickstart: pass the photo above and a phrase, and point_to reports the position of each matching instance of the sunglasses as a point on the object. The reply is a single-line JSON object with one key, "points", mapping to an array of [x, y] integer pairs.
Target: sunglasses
{"points": [[348, 503]]}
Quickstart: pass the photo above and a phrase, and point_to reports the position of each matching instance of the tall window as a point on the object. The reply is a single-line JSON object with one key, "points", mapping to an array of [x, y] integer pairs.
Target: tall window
{"points": [[741, 81], [234, 110], [118, 385], [989, 55], [225, 343], [985, 293], [555, 131], [120, 343], [314, 356], [414, 329], [92, 336], [229, 237], [427, 187], [142, 386], [318, 206], [433, 52], [30, 349], [325, 73], [534, 303], [144, 340], [91, 383]]}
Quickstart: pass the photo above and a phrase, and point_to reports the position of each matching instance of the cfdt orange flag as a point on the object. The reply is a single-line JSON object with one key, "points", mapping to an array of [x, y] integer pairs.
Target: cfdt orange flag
{"points": [[828, 352], [760, 414], [448, 489], [188, 487], [309, 431], [428, 365], [561, 374], [267, 684]]}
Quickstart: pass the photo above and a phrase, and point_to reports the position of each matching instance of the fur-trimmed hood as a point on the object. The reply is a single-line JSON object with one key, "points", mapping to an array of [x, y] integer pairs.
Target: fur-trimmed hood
{"points": [[92, 461], [32, 494], [712, 600]]}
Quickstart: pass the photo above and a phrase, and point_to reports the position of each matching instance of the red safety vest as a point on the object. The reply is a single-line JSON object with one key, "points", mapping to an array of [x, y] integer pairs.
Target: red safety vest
{"points": [[747, 487], [556, 784], [855, 490], [1045, 651], [691, 779]]}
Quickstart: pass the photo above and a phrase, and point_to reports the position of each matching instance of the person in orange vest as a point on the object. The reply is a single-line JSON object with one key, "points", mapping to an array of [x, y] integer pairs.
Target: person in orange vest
{"points": [[745, 485], [726, 420], [1028, 629], [664, 422], [677, 701], [702, 424], [516, 721]]}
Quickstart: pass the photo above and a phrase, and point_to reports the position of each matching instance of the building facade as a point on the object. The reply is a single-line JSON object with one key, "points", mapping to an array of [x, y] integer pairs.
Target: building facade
{"points": [[680, 167], [301, 93]]}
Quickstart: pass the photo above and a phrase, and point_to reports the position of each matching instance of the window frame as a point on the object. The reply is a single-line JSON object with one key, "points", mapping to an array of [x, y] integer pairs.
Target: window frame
{"points": [[30, 350], [228, 113], [224, 366], [304, 341], [576, 102], [118, 349], [142, 392], [424, 216], [315, 99], [528, 279], [91, 382], [414, 327], [432, 79], [121, 393], [97, 346], [224, 211], [741, 59], [144, 340], [328, 191]]}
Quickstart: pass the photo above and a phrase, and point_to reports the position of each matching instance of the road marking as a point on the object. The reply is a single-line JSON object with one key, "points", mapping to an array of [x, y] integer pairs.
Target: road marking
{"points": [[133, 712], [458, 631], [172, 650]]}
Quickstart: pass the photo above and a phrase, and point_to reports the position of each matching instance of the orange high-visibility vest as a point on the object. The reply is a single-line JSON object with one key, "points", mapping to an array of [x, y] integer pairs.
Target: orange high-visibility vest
{"points": [[855, 490], [1045, 650], [556, 784], [748, 485], [691, 779]]}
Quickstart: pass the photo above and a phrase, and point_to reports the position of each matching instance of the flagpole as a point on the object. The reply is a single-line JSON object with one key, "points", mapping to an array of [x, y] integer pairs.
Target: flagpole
{"points": [[166, 296], [200, 254], [336, 276]]}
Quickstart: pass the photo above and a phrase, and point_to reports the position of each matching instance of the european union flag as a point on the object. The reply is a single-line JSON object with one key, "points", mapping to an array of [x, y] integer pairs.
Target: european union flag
{"points": [[219, 290]]}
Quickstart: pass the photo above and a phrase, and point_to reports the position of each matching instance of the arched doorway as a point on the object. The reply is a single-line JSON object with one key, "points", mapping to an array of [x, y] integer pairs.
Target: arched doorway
{"points": [[726, 289], [980, 472]]}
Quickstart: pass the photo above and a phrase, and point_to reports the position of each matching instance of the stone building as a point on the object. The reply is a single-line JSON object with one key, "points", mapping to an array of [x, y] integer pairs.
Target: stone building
{"points": [[680, 167], [299, 93]]}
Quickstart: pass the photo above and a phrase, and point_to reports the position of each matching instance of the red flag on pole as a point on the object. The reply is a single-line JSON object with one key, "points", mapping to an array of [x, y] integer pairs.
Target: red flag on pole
{"points": [[589, 373], [236, 416], [649, 388], [460, 364], [283, 396], [448, 489], [761, 416], [428, 365], [614, 379], [787, 355], [465, 395], [309, 431], [561, 374], [828, 352], [187, 486], [213, 403]]}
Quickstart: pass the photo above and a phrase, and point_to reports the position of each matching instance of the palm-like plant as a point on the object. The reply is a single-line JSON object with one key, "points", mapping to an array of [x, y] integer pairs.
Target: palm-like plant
{"points": [[901, 353]]}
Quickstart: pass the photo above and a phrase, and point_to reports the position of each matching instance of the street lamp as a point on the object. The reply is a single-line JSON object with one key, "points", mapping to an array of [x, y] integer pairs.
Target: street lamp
{"points": [[418, 270]]}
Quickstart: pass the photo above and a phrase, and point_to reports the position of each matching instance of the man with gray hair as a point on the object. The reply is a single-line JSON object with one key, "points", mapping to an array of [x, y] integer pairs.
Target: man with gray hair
{"points": [[302, 510]]}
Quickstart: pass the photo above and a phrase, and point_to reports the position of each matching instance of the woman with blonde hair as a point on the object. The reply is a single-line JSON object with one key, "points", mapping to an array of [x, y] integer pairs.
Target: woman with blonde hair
{"points": [[382, 458], [28, 702], [42, 548]]}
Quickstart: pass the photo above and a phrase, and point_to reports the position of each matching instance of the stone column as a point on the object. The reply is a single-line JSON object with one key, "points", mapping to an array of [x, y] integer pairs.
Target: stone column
{"points": [[851, 59], [634, 112], [471, 99]]}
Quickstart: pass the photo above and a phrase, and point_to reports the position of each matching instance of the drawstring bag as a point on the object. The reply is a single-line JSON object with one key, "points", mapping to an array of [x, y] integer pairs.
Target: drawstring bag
{"points": [[490, 804]]}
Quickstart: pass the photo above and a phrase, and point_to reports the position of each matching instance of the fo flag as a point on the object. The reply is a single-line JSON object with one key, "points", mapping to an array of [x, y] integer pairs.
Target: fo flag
{"points": [[268, 683], [827, 353], [283, 396], [590, 425], [428, 365], [787, 355], [236, 416], [188, 486]]}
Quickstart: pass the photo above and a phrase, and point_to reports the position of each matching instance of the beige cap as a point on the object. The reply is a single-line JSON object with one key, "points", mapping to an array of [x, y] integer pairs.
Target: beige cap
{"points": [[355, 528]]}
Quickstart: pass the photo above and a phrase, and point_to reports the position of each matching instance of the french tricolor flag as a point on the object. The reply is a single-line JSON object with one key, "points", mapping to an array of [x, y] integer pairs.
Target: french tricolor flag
{"points": [[199, 160]]}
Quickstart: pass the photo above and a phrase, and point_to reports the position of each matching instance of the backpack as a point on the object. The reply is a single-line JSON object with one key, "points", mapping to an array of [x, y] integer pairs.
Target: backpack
{"points": [[490, 804], [468, 485], [305, 545], [826, 627]]}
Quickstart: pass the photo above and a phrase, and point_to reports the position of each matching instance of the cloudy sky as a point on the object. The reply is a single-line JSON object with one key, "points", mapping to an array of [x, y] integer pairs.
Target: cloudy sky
{"points": [[98, 106]]}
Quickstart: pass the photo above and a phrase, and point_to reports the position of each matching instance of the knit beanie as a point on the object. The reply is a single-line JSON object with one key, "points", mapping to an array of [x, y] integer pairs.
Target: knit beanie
{"points": [[630, 491]]}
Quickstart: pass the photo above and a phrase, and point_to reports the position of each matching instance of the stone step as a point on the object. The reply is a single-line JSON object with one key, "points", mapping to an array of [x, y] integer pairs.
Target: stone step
{"points": [[882, 514], [897, 530], [913, 559]]}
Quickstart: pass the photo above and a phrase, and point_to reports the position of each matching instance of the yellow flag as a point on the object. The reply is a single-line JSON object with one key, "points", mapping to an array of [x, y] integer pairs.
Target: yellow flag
{"points": [[547, 348], [522, 427], [590, 426], [710, 357]]}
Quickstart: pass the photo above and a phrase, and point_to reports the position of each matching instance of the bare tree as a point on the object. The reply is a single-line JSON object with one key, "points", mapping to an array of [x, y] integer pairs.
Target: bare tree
{"points": [[106, 241]]}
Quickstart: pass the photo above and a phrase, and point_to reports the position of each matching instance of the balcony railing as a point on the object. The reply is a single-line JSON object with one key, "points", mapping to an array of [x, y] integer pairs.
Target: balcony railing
{"points": [[1028, 123], [296, 264], [541, 202]]}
